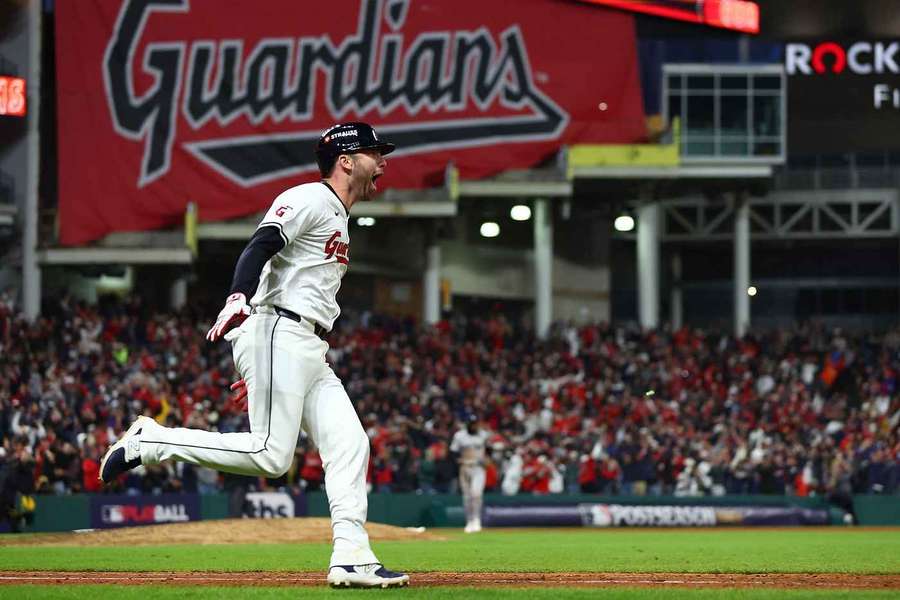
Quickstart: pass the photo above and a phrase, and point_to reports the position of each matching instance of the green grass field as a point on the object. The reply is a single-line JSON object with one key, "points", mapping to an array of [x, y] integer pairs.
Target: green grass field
{"points": [[98, 592], [838, 550]]}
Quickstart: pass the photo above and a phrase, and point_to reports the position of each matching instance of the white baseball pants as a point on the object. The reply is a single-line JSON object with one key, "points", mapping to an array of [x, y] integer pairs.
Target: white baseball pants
{"points": [[471, 483], [288, 384]]}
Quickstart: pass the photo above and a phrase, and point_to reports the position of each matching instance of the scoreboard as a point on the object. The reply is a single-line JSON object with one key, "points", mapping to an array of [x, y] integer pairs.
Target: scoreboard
{"points": [[737, 15], [12, 96]]}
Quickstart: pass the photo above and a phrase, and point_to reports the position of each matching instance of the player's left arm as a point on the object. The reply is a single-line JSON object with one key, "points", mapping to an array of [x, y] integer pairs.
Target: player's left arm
{"points": [[287, 218], [265, 243]]}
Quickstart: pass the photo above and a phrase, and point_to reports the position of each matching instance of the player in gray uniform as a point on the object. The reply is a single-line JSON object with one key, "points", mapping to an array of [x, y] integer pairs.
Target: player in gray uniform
{"points": [[469, 445], [291, 271]]}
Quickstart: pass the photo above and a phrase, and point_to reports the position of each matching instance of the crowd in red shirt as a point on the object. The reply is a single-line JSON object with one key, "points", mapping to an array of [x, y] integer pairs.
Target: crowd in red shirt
{"points": [[594, 408]]}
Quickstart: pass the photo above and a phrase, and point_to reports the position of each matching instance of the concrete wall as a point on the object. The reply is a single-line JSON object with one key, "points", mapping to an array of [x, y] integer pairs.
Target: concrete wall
{"points": [[579, 292]]}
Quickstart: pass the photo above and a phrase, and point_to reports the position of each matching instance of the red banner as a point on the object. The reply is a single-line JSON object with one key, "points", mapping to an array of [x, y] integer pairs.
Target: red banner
{"points": [[219, 102]]}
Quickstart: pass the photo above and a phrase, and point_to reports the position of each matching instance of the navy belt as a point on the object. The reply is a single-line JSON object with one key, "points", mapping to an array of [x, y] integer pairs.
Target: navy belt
{"points": [[289, 314]]}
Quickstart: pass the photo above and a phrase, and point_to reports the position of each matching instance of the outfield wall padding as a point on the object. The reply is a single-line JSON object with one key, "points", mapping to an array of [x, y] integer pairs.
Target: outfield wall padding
{"points": [[68, 513], [445, 510], [61, 513], [877, 510]]}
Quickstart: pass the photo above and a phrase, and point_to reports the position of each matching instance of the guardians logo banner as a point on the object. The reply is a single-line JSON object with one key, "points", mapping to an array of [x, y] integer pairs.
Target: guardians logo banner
{"points": [[220, 102]]}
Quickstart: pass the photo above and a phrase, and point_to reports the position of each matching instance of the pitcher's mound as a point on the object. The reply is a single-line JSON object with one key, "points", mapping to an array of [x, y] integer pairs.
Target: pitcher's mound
{"points": [[226, 531]]}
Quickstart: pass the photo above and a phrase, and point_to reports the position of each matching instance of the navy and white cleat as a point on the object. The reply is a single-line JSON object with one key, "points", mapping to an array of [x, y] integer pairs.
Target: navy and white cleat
{"points": [[367, 576], [125, 454]]}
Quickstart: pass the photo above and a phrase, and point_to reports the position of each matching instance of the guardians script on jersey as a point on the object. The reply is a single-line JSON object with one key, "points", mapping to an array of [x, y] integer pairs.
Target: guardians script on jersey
{"points": [[218, 102]]}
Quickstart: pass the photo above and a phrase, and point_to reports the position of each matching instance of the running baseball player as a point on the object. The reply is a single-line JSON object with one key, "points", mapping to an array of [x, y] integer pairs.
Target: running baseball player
{"points": [[291, 271], [469, 445]]}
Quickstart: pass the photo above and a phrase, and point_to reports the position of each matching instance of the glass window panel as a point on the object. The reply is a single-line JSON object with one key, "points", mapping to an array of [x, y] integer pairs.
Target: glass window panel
{"points": [[766, 82], [699, 147], [767, 115], [735, 147], [674, 107], [700, 82], [700, 115], [733, 113], [674, 82], [733, 82], [766, 148]]}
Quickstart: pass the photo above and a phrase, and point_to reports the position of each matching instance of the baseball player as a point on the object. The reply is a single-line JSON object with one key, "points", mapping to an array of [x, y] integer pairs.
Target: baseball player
{"points": [[291, 271], [468, 444]]}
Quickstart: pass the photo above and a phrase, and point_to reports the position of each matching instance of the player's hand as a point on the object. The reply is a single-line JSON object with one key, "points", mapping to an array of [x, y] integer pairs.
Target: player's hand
{"points": [[235, 311], [239, 398]]}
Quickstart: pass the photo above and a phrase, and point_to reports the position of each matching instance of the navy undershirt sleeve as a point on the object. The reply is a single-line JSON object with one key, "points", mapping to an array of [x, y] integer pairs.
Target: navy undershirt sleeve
{"points": [[264, 244]]}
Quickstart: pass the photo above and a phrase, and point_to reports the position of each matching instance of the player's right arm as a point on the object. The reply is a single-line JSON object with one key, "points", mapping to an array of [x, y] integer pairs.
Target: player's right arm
{"points": [[288, 217], [455, 443]]}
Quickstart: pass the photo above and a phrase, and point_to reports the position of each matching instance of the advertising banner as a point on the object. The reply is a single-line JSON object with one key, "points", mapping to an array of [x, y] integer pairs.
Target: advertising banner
{"points": [[165, 102], [271, 505], [843, 96], [624, 515], [129, 511]]}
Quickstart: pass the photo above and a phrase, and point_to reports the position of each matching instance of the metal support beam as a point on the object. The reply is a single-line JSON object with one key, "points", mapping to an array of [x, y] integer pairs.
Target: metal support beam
{"points": [[741, 265], [543, 267], [31, 271], [178, 293], [648, 264], [825, 215], [431, 282], [115, 256], [676, 305]]}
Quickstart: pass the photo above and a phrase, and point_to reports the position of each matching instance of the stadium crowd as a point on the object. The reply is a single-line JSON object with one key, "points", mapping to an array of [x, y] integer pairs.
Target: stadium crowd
{"points": [[594, 408]]}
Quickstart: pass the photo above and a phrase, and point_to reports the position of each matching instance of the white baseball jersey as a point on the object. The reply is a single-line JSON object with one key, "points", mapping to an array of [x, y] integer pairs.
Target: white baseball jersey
{"points": [[469, 446], [304, 277]]}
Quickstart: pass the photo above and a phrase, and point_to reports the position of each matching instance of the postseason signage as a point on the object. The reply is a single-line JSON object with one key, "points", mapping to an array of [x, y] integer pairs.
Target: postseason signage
{"points": [[662, 515], [843, 96], [164, 102]]}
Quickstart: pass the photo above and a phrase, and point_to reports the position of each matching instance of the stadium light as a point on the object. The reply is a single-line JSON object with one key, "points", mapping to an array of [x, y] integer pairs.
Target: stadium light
{"points": [[520, 212], [365, 221], [751, 291], [624, 222], [489, 229]]}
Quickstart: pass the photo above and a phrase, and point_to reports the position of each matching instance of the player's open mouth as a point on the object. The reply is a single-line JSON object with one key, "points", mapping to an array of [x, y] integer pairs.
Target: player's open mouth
{"points": [[375, 178]]}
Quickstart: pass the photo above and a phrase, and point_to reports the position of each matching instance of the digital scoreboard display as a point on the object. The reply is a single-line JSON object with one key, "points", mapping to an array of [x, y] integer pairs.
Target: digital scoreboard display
{"points": [[12, 96], [737, 15]]}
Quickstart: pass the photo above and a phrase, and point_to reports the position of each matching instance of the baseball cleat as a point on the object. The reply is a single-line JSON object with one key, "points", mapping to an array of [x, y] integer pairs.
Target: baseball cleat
{"points": [[125, 454], [368, 576]]}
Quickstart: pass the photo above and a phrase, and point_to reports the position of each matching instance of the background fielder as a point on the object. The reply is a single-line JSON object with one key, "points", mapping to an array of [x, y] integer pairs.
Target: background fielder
{"points": [[469, 445], [291, 269]]}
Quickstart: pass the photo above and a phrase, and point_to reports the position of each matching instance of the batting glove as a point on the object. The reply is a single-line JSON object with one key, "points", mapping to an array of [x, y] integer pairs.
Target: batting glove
{"points": [[235, 311]]}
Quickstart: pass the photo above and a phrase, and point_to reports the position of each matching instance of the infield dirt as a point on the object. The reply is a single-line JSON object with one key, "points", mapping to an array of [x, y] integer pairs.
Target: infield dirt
{"points": [[226, 531], [432, 579]]}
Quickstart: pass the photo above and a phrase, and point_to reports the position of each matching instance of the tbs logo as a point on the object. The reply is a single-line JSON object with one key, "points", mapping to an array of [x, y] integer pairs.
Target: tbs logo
{"points": [[266, 505]]}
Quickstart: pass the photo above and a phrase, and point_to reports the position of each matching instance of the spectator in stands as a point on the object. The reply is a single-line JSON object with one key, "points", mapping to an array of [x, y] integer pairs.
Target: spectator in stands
{"points": [[798, 410]]}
